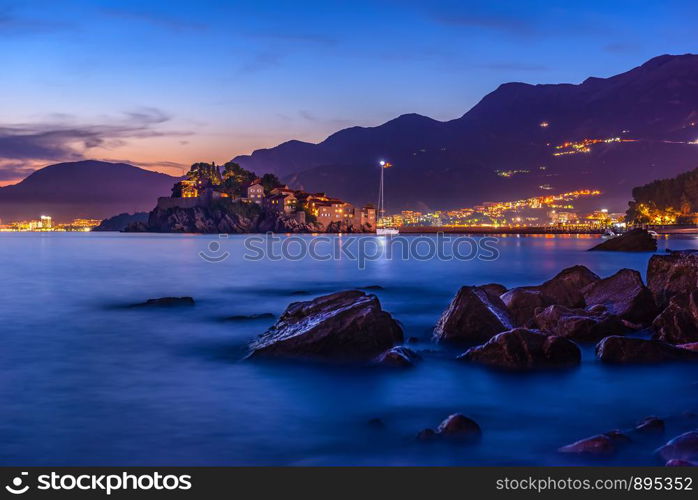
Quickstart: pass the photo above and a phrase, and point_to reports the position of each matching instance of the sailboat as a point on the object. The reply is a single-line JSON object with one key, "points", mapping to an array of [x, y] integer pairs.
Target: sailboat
{"points": [[385, 230]]}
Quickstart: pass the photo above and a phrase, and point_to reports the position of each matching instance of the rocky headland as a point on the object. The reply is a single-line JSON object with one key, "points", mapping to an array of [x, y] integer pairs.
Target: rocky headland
{"points": [[233, 218]]}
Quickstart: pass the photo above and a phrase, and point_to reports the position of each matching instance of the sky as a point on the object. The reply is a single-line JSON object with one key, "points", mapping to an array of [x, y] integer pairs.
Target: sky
{"points": [[163, 84]]}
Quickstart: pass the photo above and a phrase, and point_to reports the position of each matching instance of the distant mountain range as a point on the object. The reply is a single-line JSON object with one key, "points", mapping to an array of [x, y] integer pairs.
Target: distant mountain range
{"points": [[511, 145], [92, 189], [505, 147]]}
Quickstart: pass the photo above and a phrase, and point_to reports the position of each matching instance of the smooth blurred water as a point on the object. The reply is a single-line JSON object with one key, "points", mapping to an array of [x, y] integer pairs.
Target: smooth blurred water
{"points": [[86, 380]]}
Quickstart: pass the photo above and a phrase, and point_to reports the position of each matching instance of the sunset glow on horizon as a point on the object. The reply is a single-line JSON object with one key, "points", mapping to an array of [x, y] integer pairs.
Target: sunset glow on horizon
{"points": [[164, 84]]}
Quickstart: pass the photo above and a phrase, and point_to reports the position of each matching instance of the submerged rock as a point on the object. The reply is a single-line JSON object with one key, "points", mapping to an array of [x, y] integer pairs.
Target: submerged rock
{"points": [[616, 349], [600, 445], [343, 326], [650, 425], [678, 323], [376, 423], [459, 427], [673, 274], [472, 316], [250, 317], [522, 349], [398, 357], [455, 427], [637, 240], [623, 294], [683, 447], [427, 435], [579, 324], [167, 302]]}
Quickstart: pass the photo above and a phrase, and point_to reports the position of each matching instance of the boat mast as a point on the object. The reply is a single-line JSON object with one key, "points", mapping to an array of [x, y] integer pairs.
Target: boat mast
{"points": [[381, 196]]}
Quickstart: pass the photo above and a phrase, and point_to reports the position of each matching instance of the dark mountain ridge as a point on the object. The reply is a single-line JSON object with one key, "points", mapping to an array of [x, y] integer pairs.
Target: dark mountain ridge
{"points": [[454, 163], [89, 188]]}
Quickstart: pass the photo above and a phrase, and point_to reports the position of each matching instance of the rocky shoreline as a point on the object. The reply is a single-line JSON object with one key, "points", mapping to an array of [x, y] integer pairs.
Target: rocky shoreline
{"points": [[524, 329], [528, 329], [232, 218]]}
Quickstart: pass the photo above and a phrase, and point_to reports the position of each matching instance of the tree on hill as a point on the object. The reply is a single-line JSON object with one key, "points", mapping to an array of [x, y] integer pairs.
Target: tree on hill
{"points": [[204, 174], [269, 182], [664, 201], [236, 178]]}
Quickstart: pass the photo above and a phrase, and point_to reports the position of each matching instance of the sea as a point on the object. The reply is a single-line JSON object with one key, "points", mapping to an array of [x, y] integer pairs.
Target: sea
{"points": [[87, 379]]}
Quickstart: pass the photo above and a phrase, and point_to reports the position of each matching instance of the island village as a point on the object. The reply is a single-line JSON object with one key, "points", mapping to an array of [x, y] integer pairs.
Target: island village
{"points": [[207, 185]]}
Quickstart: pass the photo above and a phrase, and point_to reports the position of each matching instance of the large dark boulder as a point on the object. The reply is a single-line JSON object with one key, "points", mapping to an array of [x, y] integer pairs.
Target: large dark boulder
{"points": [[563, 289], [522, 349], [623, 294], [586, 325], [672, 274], [616, 349], [472, 316], [683, 447], [678, 323], [345, 326], [522, 304], [494, 289], [637, 240]]}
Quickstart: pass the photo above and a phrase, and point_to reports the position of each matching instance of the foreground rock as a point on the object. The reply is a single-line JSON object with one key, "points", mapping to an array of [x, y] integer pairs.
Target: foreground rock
{"points": [[494, 289], [600, 445], [678, 323], [167, 302], [343, 326], [616, 349], [623, 294], [523, 303], [398, 357], [472, 316], [637, 240], [579, 324], [455, 427], [683, 447], [563, 289], [522, 349], [673, 274]]}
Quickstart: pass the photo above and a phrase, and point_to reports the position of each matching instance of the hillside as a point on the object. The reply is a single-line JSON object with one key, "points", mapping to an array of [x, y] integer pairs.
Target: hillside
{"points": [[89, 188], [506, 146], [666, 200]]}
